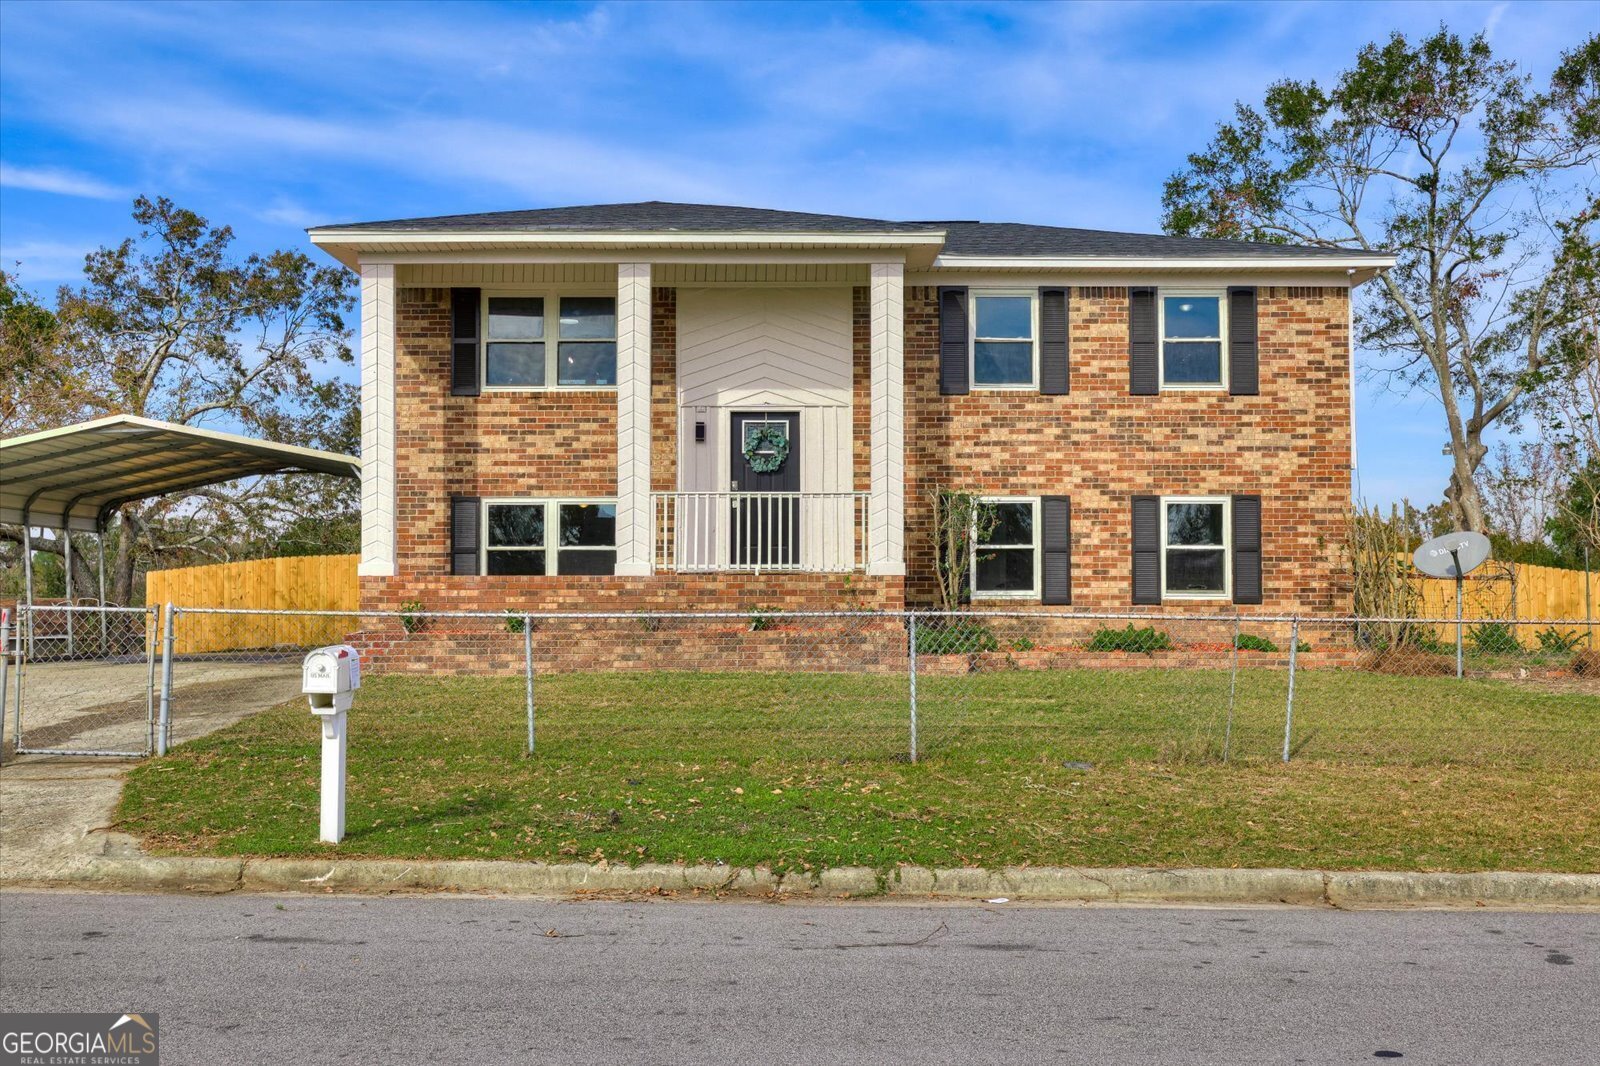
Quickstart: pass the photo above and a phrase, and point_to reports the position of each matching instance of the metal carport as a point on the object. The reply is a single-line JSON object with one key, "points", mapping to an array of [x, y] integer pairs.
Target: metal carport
{"points": [[74, 478]]}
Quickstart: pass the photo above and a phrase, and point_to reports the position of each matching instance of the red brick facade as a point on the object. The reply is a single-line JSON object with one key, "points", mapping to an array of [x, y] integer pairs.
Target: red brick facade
{"points": [[1099, 445]]}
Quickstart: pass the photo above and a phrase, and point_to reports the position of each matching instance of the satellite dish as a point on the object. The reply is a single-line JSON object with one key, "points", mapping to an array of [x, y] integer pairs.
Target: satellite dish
{"points": [[1452, 555]]}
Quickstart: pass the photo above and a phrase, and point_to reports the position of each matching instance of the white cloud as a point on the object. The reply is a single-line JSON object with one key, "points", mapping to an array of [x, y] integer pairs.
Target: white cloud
{"points": [[60, 182], [36, 261]]}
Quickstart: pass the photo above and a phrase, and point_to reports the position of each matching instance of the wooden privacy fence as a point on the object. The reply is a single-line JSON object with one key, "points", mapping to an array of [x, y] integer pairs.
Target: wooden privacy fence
{"points": [[298, 583], [1513, 590]]}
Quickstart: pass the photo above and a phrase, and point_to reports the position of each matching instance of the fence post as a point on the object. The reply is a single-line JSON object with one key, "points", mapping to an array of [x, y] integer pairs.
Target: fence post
{"points": [[1233, 687], [5, 674], [911, 641], [24, 620], [1288, 712], [164, 724], [1459, 633], [527, 671]]}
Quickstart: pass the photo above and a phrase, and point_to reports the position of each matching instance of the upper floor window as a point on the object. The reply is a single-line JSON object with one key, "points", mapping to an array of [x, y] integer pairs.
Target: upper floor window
{"points": [[526, 347], [1193, 351], [1004, 327], [1194, 547]]}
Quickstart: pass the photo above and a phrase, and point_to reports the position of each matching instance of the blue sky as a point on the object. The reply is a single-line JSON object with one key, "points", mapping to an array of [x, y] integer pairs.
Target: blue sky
{"points": [[276, 117]]}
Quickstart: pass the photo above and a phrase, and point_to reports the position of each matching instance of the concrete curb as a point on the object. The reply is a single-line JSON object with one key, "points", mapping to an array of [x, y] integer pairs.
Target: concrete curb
{"points": [[1132, 885]]}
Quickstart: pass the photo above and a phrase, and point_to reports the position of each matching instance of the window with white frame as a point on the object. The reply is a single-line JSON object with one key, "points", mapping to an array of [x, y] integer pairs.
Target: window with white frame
{"points": [[1194, 547], [1194, 353], [1004, 327], [526, 347], [1005, 561], [550, 537]]}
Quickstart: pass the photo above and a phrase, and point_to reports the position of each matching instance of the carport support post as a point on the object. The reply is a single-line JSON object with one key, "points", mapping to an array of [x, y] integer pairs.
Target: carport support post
{"points": [[66, 554], [27, 589], [911, 641], [100, 543], [165, 721], [527, 670], [1288, 713]]}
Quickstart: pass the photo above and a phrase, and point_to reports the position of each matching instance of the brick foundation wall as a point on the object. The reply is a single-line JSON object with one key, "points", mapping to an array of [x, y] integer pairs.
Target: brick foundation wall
{"points": [[1100, 445]]}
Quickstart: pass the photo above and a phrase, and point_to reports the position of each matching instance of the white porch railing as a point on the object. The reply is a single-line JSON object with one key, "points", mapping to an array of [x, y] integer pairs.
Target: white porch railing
{"points": [[756, 531]]}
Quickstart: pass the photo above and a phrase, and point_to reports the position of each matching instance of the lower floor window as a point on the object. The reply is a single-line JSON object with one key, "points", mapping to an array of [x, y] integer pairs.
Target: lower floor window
{"points": [[550, 537], [1194, 547], [1005, 558]]}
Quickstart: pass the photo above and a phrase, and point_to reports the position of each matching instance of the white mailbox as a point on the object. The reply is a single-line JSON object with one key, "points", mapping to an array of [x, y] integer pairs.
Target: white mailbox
{"points": [[331, 671], [329, 677]]}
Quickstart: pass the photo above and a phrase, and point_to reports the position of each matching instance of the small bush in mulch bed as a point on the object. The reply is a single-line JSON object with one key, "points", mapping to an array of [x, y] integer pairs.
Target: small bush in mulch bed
{"points": [[1587, 663], [955, 637], [1552, 639], [1494, 637], [1251, 642], [1146, 640]]}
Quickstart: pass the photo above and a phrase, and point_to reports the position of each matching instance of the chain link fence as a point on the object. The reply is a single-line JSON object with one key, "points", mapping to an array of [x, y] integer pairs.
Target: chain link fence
{"points": [[79, 680], [764, 685]]}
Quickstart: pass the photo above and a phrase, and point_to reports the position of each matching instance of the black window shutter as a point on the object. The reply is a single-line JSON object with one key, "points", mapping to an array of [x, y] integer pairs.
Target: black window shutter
{"points": [[465, 513], [1056, 520], [1053, 342], [1146, 549], [1144, 373], [464, 342], [1244, 360], [1247, 549], [952, 340]]}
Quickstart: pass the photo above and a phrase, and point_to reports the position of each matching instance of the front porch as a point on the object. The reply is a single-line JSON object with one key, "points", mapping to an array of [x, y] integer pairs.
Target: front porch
{"points": [[709, 532]]}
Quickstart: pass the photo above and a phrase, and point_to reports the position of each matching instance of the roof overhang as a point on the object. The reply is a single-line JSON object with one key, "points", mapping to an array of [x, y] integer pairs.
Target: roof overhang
{"points": [[353, 246], [1359, 267], [75, 477]]}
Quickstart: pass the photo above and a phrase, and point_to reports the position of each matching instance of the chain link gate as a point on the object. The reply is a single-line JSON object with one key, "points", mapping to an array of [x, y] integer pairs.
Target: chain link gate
{"points": [[82, 680]]}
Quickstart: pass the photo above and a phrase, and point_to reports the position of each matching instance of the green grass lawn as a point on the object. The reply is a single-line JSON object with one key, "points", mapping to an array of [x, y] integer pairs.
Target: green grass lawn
{"points": [[801, 771]]}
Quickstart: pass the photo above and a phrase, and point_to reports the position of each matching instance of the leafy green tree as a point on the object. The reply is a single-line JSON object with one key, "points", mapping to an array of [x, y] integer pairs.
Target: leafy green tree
{"points": [[172, 325], [1481, 184]]}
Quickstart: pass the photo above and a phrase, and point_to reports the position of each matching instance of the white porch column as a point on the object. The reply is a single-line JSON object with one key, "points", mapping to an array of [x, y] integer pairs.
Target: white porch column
{"points": [[635, 540], [377, 421], [886, 508]]}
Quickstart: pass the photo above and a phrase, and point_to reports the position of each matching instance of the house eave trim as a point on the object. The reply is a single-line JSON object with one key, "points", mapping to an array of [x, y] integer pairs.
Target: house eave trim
{"points": [[1092, 262]]}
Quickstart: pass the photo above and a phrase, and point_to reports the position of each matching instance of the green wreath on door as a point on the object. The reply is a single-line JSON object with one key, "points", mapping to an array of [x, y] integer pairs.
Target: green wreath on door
{"points": [[766, 446]]}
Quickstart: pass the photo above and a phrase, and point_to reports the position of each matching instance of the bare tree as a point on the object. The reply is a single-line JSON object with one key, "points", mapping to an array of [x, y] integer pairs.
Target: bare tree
{"points": [[961, 521]]}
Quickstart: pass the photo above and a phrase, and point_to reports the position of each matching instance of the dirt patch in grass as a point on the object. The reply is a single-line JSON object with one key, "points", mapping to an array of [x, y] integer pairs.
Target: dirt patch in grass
{"points": [[808, 771]]}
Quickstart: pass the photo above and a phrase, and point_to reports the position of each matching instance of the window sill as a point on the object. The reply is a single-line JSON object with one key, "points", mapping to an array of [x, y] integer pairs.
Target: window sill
{"points": [[547, 388], [1194, 388], [1196, 597], [1012, 596], [1004, 388]]}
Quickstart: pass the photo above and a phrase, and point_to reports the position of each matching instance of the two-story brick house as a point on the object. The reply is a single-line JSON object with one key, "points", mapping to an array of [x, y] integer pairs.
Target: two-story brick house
{"points": [[676, 406]]}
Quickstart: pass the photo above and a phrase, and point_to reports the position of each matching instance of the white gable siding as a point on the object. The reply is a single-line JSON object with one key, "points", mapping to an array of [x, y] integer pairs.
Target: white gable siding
{"points": [[779, 350]]}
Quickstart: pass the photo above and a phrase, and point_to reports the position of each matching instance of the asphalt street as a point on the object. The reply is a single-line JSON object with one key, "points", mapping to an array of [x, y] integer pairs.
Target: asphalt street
{"points": [[279, 979]]}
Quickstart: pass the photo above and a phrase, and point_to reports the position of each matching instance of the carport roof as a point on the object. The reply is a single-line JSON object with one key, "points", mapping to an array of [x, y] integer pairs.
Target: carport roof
{"points": [[76, 476]]}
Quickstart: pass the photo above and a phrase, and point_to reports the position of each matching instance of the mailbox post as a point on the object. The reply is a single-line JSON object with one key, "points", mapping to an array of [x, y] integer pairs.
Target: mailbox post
{"points": [[329, 678]]}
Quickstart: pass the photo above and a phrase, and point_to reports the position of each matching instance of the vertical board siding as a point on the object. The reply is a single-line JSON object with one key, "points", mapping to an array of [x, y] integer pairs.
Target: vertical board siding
{"points": [[298, 583]]}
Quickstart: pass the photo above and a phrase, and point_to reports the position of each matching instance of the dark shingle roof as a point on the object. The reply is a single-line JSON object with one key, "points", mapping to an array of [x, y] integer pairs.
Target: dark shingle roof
{"points": [[963, 237], [1021, 239], [653, 216]]}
